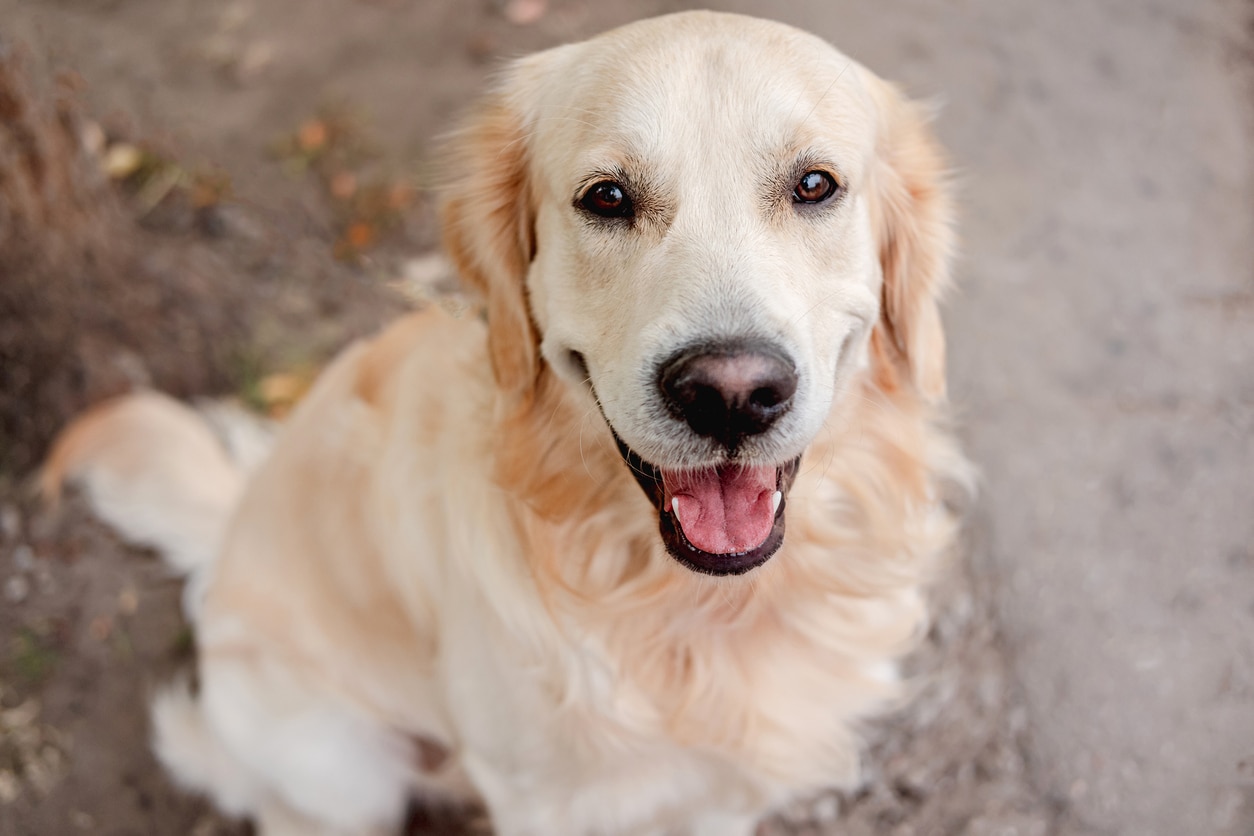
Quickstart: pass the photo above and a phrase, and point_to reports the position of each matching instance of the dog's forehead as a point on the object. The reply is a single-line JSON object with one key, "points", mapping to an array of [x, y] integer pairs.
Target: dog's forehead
{"points": [[686, 84]]}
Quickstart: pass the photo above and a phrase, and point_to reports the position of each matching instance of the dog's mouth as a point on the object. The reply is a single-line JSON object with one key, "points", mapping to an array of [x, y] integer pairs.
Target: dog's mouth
{"points": [[721, 520]]}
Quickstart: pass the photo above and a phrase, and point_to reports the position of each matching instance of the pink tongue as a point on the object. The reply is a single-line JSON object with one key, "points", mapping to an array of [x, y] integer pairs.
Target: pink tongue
{"points": [[723, 511]]}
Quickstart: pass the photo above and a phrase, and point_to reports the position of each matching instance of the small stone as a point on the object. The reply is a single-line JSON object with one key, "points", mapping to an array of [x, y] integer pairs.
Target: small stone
{"points": [[24, 558], [10, 522], [235, 15], [47, 583], [16, 589], [131, 367], [128, 601], [312, 136], [1009, 824], [426, 277], [9, 788], [21, 717], [205, 827], [46, 770], [93, 139], [525, 12], [826, 810], [429, 270], [121, 160], [101, 628], [254, 61], [343, 185]]}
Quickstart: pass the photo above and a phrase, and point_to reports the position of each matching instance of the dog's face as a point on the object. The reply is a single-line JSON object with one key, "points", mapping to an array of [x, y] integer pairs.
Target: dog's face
{"points": [[699, 222]]}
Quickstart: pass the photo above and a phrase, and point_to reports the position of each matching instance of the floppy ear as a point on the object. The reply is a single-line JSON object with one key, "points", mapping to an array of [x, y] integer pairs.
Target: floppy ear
{"points": [[489, 233], [911, 214]]}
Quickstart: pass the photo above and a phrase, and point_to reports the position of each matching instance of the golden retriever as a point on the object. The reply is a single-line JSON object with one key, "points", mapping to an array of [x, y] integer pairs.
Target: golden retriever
{"points": [[633, 551]]}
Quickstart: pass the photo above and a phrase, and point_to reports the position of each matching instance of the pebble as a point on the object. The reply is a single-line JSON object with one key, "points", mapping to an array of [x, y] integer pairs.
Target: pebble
{"points": [[93, 139], [525, 12], [16, 589], [235, 15], [205, 827], [24, 558], [128, 601], [9, 788], [827, 809], [427, 273], [1009, 825], [21, 716], [253, 61], [10, 522], [101, 628]]}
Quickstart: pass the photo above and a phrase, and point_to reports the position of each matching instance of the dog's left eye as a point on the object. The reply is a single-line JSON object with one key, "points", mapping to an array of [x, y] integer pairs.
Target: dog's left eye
{"points": [[814, 187], [609, 200]]}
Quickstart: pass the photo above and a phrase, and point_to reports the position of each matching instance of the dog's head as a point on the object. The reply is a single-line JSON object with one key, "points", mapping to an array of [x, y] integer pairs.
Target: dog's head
{"points": [[707, 225]]}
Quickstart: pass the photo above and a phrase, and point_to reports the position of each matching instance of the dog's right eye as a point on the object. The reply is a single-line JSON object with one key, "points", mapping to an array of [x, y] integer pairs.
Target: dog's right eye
{"points": [[608, 199]]}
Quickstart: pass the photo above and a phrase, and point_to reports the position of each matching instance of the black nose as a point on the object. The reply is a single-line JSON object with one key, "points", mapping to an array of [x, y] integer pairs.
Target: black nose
{"points": [[729, 391]]}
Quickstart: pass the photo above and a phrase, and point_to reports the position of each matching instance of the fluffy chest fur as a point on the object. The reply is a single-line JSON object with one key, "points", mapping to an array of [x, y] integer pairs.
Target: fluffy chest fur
{"points": [[520, 611]]}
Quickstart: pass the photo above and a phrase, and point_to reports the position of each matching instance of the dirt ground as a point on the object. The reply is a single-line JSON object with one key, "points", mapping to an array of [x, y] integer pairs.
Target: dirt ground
{"points": [[1090, 667]]}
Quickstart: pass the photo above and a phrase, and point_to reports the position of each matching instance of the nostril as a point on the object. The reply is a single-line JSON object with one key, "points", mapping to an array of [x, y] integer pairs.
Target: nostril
{"points": [[766, 397]]}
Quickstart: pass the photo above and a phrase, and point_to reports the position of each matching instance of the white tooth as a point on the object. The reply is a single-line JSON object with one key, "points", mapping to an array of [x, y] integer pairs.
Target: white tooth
{"points": [[675, 508], [775, 500]]}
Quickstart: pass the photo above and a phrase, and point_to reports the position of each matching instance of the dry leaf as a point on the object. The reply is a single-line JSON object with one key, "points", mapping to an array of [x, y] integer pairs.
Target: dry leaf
{"points": [[360, 235], [343, 185], [121, 160], [101, 628], [281, 388], [313, 135]]}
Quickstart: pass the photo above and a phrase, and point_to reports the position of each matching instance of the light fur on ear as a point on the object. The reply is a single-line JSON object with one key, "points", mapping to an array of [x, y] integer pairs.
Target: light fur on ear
{"points": [[488, 219], [489, 233], [911, 214]]}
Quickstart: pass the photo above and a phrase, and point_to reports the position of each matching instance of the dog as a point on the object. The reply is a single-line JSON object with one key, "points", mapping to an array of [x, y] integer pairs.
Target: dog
{"points": [[634, 550]]}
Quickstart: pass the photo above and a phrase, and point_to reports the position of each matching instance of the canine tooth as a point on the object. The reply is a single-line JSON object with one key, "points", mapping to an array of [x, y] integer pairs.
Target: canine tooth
{"points": [[675, 508], [775, 500]]}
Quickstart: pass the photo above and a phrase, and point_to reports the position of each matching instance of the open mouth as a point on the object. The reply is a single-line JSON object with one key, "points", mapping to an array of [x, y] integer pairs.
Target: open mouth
{"points": [[722, 520]]}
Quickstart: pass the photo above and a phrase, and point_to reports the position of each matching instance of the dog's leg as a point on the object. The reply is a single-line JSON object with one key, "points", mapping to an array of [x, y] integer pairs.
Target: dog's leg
{"points": [[521, 811], [310, 762], [723, 824]]}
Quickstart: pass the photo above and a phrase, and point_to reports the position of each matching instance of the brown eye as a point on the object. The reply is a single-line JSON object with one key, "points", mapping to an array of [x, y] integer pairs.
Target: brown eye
{"points": [[814, 187], [608, 199]]}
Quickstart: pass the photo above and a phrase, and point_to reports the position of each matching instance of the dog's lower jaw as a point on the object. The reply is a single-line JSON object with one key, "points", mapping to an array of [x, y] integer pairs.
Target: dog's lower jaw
{"points": [[671, 530]]}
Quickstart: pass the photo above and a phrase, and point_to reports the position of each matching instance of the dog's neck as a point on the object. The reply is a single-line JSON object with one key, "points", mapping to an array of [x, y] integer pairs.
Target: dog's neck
{"points": [[863, 505]]}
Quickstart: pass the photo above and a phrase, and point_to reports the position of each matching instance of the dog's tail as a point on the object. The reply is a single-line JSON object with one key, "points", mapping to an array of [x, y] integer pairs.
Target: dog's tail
{"points": [[161, 473]]}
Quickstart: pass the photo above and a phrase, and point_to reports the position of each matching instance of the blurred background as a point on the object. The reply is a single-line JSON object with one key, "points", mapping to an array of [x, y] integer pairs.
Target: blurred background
{"points": [[211, 196]]}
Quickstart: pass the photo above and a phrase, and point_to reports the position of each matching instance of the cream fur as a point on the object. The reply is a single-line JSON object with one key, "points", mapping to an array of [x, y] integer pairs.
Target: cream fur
{"points": [[444, 553]]}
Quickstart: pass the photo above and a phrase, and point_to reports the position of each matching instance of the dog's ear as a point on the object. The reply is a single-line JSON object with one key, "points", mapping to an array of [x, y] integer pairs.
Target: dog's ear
{"points": [[911, 213], [488, 218]]}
